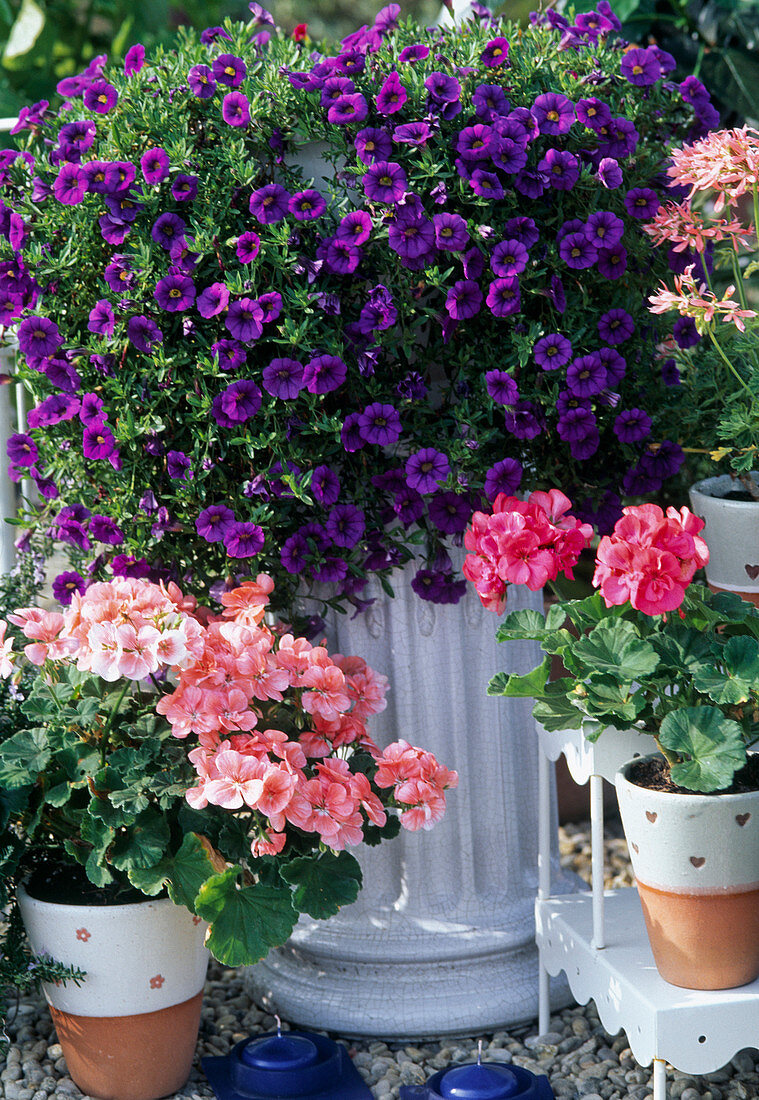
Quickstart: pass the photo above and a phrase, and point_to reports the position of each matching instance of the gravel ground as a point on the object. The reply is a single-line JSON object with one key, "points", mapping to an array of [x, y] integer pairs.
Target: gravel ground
{"points": [[582, 1061]]}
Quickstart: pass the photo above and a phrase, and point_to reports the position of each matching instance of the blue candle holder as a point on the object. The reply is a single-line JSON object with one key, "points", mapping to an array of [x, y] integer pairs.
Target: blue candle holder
{"points": [[291, 1065], [478, 1081]]}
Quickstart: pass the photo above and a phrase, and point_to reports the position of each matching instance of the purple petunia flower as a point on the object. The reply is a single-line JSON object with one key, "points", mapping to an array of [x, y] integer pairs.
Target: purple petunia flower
{"points": [[345, 525], [229, 353], [213, 300], [373, 145], [509, 155], [473, 142], [443, 88], [604, 229], [504, 297], [577, 252], [294, 553], [553, 113], [104, 529], [501, 387], [385, 182], [612, 262], [632, 425], [244, 320], [38, 337], [271, 304], [243, 540], [101, 320], [412, 133], [450, 232], [417, 52], [119, 175], [586, 376], [21, 449], [450, 512], [283, 378], [178, 466], [392, 95], [235, 109], [91, 411], [143, 333], [347, 109], [641, 203], [615, 365], [685, 332], [70, 185], [213, 522], [552, 351], [324, 373], [134, 59], [52, 410], [101, 97], [609, 173], [524, 420], [350, 434], [489, 101], [593, 113], [112, 230], [175, 293], [333, 87], [530, 184], [640, 67], [167, 229], [240, 401], [615, 326], [486, 184], [269, 204], [575, 424], [495, 53], [437, 586], [561, 168], [307, 205], [325, 485], [229, 70], [355, 227], [340, 256], [425, 469], [509, 258], [464, 299], [379, 423], [201, 81], [98, 441], [66, 584], [504, 477]]}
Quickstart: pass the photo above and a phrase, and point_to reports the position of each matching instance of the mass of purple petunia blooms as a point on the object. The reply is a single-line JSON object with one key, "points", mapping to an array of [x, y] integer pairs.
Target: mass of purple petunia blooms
{"points": [[314, 372]]}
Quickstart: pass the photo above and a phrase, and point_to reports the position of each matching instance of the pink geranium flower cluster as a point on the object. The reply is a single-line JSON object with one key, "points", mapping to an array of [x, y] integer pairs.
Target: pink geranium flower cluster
{"points": [[650, 558], [278, 721], [124, 628], [523, 542], [725, 162]]}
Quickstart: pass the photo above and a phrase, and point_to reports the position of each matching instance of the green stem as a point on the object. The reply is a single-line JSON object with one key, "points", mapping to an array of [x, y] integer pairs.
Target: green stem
{"points": [[109, 724], [738, 279], [730, 366]]}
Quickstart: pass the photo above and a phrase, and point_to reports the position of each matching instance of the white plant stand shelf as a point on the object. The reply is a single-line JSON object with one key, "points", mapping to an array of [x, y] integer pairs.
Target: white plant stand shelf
{"points": [[599, 940]]}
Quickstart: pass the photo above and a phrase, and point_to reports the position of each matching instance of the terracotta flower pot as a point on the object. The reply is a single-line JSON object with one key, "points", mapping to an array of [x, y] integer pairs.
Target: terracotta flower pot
{"points": [[129, 1031], [732, 534], [696, 862]]}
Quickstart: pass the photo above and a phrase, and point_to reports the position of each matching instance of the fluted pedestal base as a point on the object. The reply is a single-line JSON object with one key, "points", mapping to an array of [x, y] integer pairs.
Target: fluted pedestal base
{"points": [[441, 939]]}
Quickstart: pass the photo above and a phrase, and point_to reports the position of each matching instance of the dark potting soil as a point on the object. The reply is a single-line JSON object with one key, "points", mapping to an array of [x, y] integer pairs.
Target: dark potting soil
{"points": [[738, 494], [69, 885], [654, 776]]}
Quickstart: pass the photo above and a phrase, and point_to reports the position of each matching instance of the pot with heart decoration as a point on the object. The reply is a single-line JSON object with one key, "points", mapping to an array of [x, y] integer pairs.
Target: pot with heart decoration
{"points": [[731, 531], [696, 863], [656, 653]]}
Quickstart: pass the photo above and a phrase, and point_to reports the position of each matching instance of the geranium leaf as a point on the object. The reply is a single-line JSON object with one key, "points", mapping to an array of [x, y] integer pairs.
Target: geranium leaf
{"points": [[525, 623], [712, 744], [141, 844], [556, 711], [530, 685], [614, 647], [23, 757], [323, 883], [740, 677], [245, 920], [188, 870]]}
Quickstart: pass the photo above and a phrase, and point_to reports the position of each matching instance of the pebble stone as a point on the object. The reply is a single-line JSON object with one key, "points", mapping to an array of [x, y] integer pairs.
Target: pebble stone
{"points": [[581, 1061]]}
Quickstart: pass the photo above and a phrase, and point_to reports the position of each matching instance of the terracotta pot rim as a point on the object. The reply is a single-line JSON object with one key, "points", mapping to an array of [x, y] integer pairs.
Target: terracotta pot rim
{"points": [[668, 796], [65, 907]]}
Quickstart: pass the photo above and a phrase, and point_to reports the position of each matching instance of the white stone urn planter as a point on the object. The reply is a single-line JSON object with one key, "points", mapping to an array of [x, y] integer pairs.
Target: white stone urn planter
{"points": [[696, 862], [442, 938], [732, 534], [129, 1031]]}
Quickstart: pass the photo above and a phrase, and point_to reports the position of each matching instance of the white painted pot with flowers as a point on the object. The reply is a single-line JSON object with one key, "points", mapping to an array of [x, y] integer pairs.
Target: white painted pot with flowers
{"points": [[718, 341], [656, 652]]}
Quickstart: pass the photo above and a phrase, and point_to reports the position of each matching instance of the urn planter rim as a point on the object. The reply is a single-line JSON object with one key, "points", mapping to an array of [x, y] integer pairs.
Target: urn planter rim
{"points": [[668, 796], [713, 488]]}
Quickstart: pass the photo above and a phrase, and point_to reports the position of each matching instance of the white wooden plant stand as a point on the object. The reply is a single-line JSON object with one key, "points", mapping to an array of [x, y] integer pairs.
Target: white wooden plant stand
{"points": [[598, 938]]}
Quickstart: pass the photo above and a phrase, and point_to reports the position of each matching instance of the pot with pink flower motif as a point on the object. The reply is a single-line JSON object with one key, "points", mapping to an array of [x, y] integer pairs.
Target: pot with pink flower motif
{"points": [[129, 1029]]}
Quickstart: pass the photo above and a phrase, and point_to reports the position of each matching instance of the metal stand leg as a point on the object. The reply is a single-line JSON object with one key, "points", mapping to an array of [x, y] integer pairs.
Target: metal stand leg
{"points": [[544, 880], [660, 1079], [597, 858]]}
